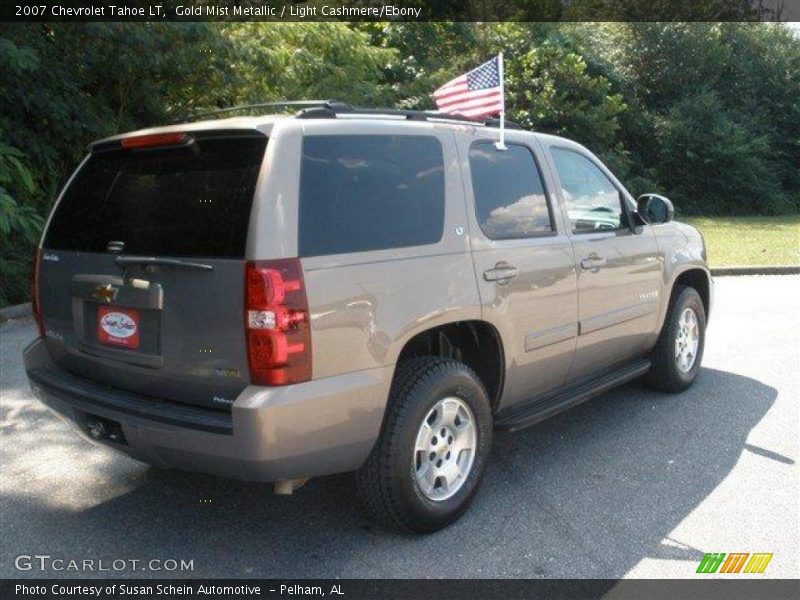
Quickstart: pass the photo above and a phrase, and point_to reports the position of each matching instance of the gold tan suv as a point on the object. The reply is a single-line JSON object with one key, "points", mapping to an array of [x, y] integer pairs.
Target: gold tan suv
{"points": [[277, 297]]}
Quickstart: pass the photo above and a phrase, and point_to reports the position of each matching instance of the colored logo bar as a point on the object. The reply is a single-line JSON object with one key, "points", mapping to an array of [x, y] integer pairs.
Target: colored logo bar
{"points": [[735, 562]]}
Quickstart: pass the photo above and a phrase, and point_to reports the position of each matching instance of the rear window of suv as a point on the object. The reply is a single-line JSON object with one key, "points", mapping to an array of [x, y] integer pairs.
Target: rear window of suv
{"points": [[370, 192], [186, 202]]}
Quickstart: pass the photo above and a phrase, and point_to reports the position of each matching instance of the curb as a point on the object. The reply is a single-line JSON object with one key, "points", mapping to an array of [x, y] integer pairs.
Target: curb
{"points": [[762, 270], [18, 311]]}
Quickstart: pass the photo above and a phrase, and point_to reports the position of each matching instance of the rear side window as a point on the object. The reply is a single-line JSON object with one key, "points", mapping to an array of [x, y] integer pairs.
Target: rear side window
{"points": [[370, 192], [510, 200], [185, 202]]}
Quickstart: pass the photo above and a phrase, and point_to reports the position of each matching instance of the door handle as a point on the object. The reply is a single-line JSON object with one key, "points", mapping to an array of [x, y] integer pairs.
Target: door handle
{"points": [[593, 263], [501, 273]]}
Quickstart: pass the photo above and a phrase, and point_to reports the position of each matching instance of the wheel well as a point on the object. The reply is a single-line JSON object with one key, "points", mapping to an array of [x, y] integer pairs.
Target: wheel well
{"points": [[475, 343], [697, 279]]}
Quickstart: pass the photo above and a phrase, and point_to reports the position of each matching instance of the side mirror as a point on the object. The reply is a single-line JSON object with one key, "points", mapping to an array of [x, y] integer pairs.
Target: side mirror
{"points": [[655, 209]]}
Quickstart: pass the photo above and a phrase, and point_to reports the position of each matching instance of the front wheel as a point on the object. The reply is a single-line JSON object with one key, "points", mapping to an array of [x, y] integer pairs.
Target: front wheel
{"points": [[428, 463], [679, 350]]}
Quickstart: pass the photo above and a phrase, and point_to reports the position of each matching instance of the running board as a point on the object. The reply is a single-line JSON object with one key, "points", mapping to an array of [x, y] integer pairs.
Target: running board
{"points": [[529, 413]]}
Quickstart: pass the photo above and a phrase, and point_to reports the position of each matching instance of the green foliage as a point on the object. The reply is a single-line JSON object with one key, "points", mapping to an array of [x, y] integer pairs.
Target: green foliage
{"points": [[552, 90], [15, 176], [314, 60], [713, 118], [15, 266], [426, 55], [708, 113], [699, 136], [20, 223], [65, 85]]}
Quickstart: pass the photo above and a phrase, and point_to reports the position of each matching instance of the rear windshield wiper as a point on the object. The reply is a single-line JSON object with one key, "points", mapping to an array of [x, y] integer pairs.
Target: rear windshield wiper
{"points": [[124, 261]]}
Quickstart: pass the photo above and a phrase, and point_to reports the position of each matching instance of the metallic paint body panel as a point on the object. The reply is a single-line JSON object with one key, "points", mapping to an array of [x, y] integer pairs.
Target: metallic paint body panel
{"points": [[548, 337], [366, 305], [188, 346], [325, 426], [616, 317], [542, 296]]}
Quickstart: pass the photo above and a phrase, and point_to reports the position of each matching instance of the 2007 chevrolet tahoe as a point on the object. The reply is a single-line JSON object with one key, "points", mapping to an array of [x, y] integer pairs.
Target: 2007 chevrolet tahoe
{"points": [[277, 297]]}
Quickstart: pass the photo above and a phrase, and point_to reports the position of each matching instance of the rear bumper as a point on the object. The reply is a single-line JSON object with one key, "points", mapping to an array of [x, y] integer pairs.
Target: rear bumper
{"points": [[316, 428]]}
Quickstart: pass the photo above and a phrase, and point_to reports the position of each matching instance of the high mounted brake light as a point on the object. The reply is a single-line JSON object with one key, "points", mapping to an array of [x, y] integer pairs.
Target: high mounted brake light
{"points": [[277, 322], [155, 140]]}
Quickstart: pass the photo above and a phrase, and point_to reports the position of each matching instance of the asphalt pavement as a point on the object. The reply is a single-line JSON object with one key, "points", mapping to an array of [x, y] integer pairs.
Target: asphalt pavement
{"points": [[631, 484]]}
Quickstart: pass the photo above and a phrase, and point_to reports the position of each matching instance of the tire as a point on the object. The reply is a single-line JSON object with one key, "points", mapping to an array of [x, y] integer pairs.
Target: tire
{"points": [[388, 483], [668, 372]]}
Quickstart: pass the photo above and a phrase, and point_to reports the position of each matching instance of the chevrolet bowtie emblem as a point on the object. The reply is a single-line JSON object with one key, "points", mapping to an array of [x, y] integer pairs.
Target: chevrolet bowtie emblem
{"points": [[105, 293]]}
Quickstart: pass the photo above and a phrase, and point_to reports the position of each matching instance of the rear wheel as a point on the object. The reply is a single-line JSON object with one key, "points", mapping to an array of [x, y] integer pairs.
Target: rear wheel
{"points": [[679, 350], [427, 465]]}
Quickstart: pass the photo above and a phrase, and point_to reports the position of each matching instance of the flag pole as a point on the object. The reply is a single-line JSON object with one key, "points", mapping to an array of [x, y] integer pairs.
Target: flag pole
{"points": [[501, 145]]}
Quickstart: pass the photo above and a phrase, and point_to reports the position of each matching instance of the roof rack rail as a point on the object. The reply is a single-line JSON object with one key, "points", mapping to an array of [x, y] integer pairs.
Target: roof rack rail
{"points": [[332, 109], [276, 104]]}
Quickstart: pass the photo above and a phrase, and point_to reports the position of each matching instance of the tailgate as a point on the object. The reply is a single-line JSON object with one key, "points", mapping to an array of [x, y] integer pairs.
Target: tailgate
{"points": [[142, 268]]}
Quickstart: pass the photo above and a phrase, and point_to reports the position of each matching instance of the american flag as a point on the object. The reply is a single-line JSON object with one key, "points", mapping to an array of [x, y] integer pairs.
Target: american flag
{"points": [[476, 94]]}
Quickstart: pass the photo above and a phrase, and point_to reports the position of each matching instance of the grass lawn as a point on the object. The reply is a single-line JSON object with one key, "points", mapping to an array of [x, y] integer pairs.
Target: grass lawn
{"points": [[746, 241]]}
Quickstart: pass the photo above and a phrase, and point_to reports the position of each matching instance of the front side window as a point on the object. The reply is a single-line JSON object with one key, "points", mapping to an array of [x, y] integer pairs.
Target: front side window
{"points": [[593, 202], [510, 200], [370, 192]]}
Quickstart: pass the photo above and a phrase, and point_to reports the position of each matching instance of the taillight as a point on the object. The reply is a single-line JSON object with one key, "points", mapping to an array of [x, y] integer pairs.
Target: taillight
{"points": [[36, 307], [277, 322]]}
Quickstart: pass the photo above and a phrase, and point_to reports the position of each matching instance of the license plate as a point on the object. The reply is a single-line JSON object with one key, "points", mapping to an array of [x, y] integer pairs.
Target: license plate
{"points": [[118, 326]]}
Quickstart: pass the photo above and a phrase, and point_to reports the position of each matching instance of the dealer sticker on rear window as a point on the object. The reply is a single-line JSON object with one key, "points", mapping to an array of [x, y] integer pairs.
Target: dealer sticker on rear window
{"points": [[118, 326]]}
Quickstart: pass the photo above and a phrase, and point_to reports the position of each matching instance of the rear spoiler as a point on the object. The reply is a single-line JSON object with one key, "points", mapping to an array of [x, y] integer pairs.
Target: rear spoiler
{"points": [[169, 139]]}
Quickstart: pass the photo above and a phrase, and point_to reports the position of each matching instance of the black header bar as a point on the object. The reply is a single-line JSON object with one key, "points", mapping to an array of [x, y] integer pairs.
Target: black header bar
{"points": [[743, 588], [398, 10]]}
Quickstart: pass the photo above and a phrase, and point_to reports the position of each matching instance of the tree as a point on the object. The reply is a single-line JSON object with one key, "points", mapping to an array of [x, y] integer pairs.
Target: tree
{"points": [[65, 85], [308, 61], [714, 116]]}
